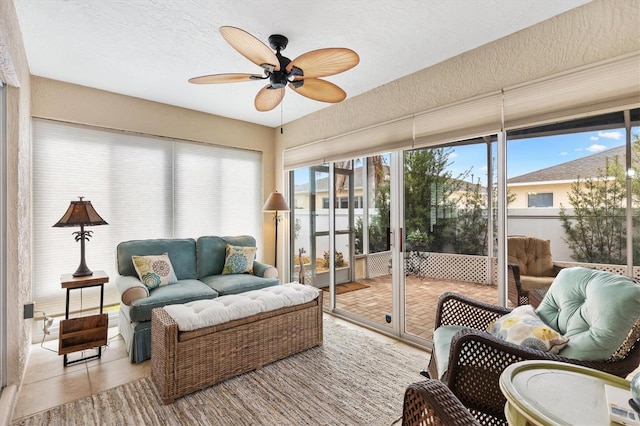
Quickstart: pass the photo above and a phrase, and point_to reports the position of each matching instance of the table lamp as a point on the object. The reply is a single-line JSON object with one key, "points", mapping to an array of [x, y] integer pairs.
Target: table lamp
{"points": [[81, 213]]}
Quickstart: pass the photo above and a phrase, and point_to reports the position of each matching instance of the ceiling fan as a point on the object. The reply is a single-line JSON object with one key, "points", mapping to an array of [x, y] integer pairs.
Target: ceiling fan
{"points": [[302, 74]]}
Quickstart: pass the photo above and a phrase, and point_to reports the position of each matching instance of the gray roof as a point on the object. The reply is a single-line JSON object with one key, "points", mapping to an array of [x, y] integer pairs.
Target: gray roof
{"points": [[586, 167]]}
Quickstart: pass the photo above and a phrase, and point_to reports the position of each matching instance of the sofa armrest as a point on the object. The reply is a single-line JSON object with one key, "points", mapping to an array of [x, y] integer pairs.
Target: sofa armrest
{"points": [[130, 289], [263, 270]]}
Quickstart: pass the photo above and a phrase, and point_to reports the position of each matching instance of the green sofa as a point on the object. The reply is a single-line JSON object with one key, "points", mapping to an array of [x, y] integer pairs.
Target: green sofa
{"points": [[198, 267]]}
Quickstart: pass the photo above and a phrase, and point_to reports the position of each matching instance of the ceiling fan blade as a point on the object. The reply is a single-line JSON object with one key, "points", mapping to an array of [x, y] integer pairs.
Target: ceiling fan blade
{"points": [[325, 62], [319, 90], [223, 78], [250, 47], [267, 99]]}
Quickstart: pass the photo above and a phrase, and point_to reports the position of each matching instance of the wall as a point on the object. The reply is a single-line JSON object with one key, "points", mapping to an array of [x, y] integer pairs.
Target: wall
{"points": [[560, 194], [594, 32], [14, 71]]}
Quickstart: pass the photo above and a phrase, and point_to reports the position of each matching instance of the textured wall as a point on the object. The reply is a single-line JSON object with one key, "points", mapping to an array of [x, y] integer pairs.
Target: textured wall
{"points": [[590, 33], [18, 265]]}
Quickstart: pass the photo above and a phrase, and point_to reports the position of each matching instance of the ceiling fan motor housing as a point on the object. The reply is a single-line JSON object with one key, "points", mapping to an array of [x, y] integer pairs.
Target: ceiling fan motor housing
{"points": [[281, 78]]}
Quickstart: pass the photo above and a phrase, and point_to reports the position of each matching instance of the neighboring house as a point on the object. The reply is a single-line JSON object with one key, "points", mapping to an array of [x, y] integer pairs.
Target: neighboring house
{"points": [[302, 192], [549, 187]]}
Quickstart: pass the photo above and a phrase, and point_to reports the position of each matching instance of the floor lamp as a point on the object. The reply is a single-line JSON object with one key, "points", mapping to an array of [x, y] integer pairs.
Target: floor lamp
{"points": [[276, 203]]}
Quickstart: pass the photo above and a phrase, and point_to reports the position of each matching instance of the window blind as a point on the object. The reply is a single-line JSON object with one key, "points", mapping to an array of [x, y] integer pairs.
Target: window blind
{"points": [[607, 86], [612, 85], [143, 186], [479, 116], [371, 140], [219, 191]]}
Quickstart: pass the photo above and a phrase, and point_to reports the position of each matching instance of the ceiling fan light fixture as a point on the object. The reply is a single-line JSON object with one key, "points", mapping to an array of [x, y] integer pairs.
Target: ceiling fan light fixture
{"points": [[282, 71]]}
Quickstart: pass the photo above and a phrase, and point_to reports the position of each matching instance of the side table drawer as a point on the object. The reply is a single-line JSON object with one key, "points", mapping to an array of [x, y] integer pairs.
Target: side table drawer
{"points": [[77, 334]]}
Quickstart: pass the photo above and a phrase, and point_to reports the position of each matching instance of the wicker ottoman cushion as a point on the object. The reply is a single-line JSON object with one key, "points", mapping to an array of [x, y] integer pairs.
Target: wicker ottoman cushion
{"points": [[203, 313]]}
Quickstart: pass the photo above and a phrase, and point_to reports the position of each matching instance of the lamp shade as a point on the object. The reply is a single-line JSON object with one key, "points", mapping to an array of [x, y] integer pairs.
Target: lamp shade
{"points": [[275, 202], [80, 213]]}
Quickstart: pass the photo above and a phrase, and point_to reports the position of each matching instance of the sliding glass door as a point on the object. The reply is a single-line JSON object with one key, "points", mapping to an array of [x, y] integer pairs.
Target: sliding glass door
{"points": [[344, 208], [448, 242]]}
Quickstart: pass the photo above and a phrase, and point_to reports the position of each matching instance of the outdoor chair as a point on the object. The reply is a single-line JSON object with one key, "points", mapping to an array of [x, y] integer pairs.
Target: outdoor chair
{"points": [[531, 269], [598, 311], [431, 402]]}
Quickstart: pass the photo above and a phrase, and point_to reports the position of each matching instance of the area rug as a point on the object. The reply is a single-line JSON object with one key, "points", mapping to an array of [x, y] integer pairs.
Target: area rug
{"points": [[347, 287], [353, 379]]}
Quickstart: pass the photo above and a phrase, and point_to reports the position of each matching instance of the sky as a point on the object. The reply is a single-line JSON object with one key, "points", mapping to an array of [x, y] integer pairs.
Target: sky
{"points": [[528, 155]]}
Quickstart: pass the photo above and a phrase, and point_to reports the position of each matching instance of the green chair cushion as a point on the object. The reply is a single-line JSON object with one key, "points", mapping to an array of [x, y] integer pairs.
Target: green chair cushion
{"points": [[594, 309], [441, 344]]}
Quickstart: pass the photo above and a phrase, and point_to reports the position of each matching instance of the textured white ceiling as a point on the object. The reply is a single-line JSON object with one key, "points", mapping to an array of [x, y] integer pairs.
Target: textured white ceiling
{"points": [[149, 48]]}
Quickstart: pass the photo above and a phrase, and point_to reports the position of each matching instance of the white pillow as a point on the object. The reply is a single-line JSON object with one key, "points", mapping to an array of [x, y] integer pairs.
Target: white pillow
{"points": [[523, 327], [239, 260], [154, 271]]}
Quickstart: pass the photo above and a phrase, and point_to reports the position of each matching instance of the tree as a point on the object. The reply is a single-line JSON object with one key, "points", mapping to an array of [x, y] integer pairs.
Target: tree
{"points": [[596, 233], [469, 235], [429, 188], [379, 223]]}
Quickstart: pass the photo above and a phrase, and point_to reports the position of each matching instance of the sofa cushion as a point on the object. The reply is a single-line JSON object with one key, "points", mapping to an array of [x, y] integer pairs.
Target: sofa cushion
{"points": [[155, 270], [183, 291], [239, 260], [212, 252], [594, 309], [182, 253], [238, 283], [523, 327]]}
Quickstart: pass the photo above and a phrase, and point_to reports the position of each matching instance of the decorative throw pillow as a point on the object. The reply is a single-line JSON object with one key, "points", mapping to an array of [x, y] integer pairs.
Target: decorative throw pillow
{"points": [[239, 260], [154, 271], [523, 327]]}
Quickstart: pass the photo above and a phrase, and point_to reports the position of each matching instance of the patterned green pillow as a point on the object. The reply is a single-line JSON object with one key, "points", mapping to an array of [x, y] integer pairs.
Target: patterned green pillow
{"points": [[523, 327], [239, 260], [154, 271]]}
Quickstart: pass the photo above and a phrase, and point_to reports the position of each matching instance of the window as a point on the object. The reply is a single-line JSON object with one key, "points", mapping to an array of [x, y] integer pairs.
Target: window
{"points": [[343, 202], [544, 199], [143, 186]]}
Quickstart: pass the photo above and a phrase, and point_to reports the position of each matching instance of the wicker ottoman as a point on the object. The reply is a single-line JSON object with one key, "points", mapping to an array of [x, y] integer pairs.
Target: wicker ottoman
{"points": [[186, 361]]}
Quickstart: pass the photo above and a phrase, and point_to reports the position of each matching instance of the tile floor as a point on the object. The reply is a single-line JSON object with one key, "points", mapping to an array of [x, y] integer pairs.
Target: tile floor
{"points": [[47, 383]]}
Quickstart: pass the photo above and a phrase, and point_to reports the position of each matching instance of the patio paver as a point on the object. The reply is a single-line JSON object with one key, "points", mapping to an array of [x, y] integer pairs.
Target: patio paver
{"points": [[422, 295]]}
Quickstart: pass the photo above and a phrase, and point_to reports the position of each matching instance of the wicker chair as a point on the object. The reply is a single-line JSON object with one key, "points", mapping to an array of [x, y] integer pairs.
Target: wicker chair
{"points": [[477, 358], [431, 402], [531, 269]]}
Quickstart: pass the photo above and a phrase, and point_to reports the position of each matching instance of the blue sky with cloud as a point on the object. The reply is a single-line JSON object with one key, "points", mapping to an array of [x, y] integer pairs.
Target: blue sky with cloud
{"points": [[528, 155]]}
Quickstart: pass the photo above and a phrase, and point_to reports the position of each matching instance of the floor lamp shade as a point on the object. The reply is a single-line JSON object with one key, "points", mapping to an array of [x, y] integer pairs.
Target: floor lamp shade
{"points": [[81, 213], [276, 203]]}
